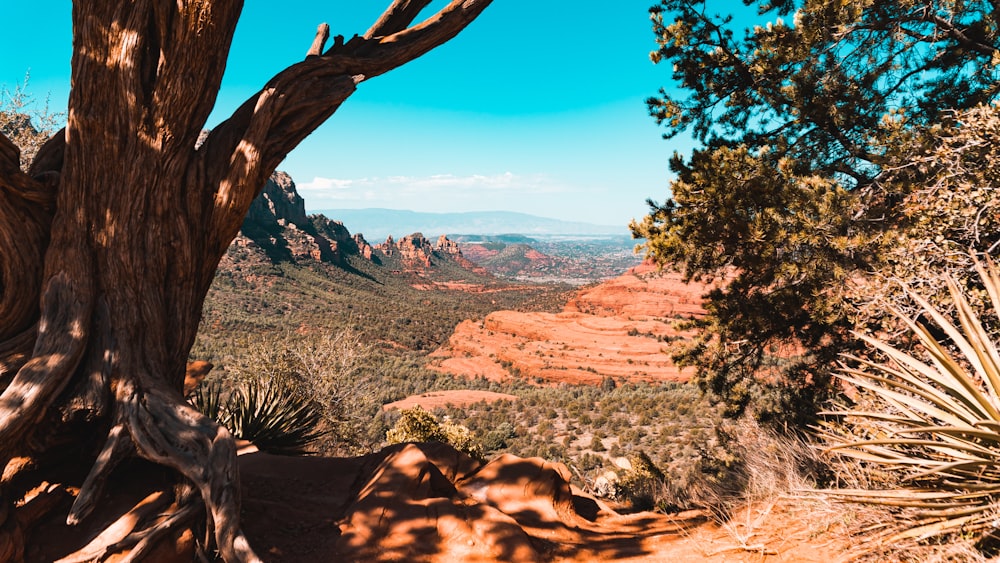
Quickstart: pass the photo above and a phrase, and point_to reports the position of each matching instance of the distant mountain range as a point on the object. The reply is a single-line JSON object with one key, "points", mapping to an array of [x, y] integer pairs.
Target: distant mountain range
{"points": [[376, 224]]}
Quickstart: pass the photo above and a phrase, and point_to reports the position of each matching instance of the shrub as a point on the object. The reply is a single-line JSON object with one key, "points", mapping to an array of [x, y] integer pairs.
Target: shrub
{"points": [[331, 371], [24, 122], [267, 414], [642, 484], [938, 425], [418, 425], [596, 444], [499, 438]]}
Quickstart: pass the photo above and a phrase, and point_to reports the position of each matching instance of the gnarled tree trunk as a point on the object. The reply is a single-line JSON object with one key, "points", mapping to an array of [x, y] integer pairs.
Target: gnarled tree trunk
{"points": [[109, 242]]}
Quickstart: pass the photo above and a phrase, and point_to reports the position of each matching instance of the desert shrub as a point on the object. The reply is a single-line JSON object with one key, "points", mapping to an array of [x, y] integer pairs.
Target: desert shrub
{"points": [[936, 423], [417, 425], [739, 461], [499, 438], [26, 123], [332, 372], [274, 418], [462, 439], [951, 210], [642, 483], [266, 413], [208, 399], [596, 444]]}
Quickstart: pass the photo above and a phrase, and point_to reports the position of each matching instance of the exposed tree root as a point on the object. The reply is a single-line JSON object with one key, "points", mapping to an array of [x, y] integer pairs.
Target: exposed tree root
{"points": [[140, 543], [118, 445], [104, 544], [170, 432], [11, 535], [14, 353]]}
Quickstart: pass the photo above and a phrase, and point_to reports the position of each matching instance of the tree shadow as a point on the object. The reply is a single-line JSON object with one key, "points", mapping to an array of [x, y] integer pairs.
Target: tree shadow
{"points": [[424, 502], [408, 502]]}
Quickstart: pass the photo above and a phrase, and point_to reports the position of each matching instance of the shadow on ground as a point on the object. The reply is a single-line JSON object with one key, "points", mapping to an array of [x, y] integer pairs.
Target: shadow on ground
{"points": [[428, 502]]}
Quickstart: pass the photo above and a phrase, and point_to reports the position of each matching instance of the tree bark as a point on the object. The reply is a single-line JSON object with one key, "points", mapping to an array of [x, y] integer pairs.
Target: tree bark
{"points": [[110, 242]]}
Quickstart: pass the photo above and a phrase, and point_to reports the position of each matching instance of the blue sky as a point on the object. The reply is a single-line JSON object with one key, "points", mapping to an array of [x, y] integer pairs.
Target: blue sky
{"points": [[537, 107]]}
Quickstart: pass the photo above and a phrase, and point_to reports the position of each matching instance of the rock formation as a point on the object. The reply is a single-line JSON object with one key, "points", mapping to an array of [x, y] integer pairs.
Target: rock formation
{"points": [[342, 243], [279, 200], [277, 229], [277, 224], [447, 246], [415, 251], [620, 329], [364, 249]]}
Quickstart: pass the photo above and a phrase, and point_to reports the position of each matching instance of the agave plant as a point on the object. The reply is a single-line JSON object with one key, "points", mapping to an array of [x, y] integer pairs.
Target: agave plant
{"points": [[207, 398], [938, 425], [274, 419], [265, 412]]}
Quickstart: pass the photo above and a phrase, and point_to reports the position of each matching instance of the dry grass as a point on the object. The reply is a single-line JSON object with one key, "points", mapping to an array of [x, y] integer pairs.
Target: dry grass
{"points": [[781, 509], [925, 436]]}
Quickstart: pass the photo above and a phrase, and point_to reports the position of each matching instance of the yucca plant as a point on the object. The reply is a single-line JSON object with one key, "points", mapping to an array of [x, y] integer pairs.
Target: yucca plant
{"points": [[207, 398], [268, 414], [273, 418], [937, 421]]}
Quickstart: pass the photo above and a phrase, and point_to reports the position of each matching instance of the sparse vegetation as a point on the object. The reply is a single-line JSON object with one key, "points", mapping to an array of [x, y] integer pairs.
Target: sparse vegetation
{"points": [[267, 413], [935, 423], [25, 121], [672, 424], [818, 133], [418, 425], [817, 223]]}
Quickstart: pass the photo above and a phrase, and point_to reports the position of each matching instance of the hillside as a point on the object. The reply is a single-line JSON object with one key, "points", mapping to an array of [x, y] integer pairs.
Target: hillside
{"points": [[509, 260], [619, 329], [577, 260], [403, 299], [291, 271], [551, 450]]}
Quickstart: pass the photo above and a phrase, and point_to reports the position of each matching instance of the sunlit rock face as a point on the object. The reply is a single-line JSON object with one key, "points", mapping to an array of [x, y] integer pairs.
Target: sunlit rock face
{"points": [[277, 224]]}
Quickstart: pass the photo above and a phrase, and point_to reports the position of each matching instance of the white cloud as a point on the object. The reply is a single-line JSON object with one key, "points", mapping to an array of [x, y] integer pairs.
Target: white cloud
{"points": [[438, 192]]}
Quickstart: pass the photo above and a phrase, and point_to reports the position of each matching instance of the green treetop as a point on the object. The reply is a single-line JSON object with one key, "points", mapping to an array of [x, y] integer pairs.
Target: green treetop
{"points": [[805, 121]]}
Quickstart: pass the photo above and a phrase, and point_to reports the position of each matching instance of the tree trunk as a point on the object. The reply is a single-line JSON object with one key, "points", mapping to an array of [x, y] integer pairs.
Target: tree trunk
{"points": [[110, 242]]}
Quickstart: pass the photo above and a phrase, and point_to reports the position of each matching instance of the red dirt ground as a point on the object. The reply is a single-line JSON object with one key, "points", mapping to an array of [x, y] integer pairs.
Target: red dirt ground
{"points": [[429, 503], [620, 328]]}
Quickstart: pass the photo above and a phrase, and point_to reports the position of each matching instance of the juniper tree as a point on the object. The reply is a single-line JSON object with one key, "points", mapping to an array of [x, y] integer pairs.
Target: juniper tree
{"points": [[803, 121], [110, 239]]}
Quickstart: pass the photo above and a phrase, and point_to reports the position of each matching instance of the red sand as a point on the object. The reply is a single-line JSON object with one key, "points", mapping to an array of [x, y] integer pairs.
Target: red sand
{"points": [[430, 503]]}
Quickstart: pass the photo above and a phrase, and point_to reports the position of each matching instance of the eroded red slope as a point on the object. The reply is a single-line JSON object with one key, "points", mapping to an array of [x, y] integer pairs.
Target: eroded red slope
{"points": [[622, 328]]}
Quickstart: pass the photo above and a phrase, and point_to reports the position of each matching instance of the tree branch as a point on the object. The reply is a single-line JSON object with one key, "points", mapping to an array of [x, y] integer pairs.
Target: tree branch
{"points": [[256, 138], [61, 341], [19, 184], [396, 17], [322, 34], [26, 209], [961, 38]]}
